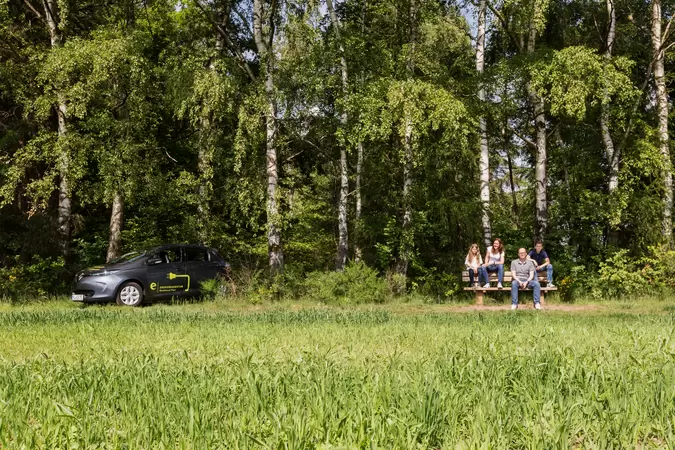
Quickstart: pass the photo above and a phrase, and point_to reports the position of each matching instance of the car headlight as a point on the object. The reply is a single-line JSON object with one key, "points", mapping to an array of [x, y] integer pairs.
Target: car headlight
{"points": [[105, 272]]}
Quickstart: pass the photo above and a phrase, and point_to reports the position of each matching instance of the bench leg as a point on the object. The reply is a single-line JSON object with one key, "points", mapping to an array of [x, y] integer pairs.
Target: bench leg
{"points": [[541, 299], [479, 298]]}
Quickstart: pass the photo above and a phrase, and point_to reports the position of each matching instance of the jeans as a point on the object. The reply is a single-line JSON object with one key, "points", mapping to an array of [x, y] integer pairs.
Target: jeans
{"points": [[534, 285], [499, 268], [549, 272], [472, 273]]}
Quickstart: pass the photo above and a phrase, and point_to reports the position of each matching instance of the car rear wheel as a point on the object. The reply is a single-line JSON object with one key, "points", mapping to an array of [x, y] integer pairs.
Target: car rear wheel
{"points": [[130, 294]]}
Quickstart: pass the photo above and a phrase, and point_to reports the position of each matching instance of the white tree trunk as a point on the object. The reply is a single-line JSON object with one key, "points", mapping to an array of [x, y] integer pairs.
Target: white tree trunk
{"points": [[357, 213], [343, 236], [484, 165], [662, 108], [407, 239], [359, 163], [611, 152], [204, 159], [65, 202], [264, 38], [540, 204], [116, 221]]}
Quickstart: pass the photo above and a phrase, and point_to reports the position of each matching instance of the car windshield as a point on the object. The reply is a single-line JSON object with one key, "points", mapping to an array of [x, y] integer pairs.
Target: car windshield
{"points": [[129, 257]]}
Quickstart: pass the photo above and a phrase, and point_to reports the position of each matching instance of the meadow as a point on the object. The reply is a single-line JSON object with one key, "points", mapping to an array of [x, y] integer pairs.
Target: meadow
{"points": [[205, 376]]}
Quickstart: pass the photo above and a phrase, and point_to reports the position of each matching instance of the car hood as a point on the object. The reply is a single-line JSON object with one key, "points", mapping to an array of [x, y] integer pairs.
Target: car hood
{"points": [[108, 268]]}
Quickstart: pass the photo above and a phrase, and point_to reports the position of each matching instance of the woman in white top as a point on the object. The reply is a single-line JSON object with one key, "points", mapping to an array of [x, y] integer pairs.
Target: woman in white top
{"points": [[494, 262], [473, 263]]}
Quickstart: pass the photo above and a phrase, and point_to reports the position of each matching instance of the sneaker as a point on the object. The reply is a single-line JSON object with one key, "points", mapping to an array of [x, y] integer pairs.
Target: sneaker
{"points": [[537, 306], [487, 285], [550, 285], [514, 306], [499, 286]]}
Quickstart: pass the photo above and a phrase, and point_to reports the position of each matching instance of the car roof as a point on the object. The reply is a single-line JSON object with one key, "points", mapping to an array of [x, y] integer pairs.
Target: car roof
{"points": [[165, 246]]}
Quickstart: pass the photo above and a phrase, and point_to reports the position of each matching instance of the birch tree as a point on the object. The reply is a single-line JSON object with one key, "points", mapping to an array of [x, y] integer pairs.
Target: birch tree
{"points": [[408, 143], [51, 16], [612, 153], [537, 101], [484, 164], [343, 236], [264, 31], [658, 58]]}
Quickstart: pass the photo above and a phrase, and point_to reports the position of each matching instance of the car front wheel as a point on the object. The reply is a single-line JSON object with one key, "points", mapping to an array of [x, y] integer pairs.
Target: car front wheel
{"points": [[130, 294]]}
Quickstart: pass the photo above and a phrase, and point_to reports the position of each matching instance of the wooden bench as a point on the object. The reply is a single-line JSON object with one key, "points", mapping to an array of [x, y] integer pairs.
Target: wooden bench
{"points": [[480, 290]]}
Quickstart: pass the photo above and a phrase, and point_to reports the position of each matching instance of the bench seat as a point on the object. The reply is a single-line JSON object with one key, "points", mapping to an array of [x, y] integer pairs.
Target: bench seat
{"points": [[480, 291]]}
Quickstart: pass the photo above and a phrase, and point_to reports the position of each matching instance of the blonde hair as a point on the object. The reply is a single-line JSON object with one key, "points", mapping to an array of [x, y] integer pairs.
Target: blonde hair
{"points": [[470, 256]]}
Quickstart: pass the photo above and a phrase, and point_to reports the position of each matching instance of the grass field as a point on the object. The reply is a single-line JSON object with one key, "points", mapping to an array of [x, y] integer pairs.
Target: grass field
{"points": [[401, 376]]}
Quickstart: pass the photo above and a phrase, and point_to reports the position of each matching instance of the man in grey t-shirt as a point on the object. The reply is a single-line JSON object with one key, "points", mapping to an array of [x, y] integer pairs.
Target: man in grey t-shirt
{"points": [[523, 275]]}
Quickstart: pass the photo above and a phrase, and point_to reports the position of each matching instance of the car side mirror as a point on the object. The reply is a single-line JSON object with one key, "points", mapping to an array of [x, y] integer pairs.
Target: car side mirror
{"points": [[155, 261]]}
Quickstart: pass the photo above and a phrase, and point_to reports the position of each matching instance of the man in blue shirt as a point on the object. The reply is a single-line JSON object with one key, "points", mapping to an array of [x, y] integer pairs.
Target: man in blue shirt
{"points": [[539, 256]]}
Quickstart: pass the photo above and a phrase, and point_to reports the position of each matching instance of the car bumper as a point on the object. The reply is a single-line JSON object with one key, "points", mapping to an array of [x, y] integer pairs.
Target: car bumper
{"points": [[95, 289]]}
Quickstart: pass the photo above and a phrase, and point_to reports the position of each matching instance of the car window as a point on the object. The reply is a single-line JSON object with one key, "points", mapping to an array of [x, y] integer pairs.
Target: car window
{"points": [[170, 255], [196, 254], [128, 257], [215, 256]]}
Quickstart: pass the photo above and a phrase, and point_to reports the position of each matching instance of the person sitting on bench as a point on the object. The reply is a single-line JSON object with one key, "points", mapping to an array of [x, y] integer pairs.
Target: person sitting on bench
{"points": [[539, 255], [523, 276], [494, 262], [473, 264]]}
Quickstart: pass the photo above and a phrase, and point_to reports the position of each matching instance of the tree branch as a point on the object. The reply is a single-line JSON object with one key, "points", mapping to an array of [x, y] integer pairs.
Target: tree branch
{"points": [[32, 8], [525, 139], [619, 147], [233, 48], [505, 24]]}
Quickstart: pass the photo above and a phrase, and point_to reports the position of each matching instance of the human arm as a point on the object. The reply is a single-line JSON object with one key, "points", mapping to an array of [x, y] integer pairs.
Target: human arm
{"points": [[546, 262]]}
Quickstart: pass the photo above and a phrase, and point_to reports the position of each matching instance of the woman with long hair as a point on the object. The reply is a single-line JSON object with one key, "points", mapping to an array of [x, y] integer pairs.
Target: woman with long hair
{"points": [[494, 262], [473, 263]]}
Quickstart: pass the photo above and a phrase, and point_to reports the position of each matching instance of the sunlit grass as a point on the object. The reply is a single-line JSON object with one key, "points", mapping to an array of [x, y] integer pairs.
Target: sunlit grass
{"points": [[292, 375]]}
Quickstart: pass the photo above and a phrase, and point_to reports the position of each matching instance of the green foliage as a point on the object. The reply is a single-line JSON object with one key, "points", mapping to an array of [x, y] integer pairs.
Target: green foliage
{"points": [[163, 112], [39, 278], [620, 275], [576, 78], [355, 285]]}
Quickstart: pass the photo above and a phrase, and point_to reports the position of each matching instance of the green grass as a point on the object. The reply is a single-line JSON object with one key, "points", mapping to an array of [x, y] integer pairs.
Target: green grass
{"points": [[398, 376]]}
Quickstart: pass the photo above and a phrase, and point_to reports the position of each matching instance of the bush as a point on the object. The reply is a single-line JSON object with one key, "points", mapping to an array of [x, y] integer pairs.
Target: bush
{"points": [[41, 278], [357, 284], [621, 275]]}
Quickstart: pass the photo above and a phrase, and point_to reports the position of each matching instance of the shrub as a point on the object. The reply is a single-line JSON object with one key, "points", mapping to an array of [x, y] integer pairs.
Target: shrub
{"points": [[40, 278], [396, 283], [619, 275], [357, 284]]}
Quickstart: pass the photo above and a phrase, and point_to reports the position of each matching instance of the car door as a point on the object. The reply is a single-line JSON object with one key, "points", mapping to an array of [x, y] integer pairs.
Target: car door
{"points": [[199, 267], [167, 276]]}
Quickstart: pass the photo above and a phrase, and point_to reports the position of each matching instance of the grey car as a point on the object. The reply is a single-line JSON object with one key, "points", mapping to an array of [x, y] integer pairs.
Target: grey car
{"points": [[156, 273]]}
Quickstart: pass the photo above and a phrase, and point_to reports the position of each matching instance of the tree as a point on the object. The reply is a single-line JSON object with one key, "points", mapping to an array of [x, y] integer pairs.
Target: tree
{"points": [[264, 29], [343, 239], [658, 55], [484, 150]]}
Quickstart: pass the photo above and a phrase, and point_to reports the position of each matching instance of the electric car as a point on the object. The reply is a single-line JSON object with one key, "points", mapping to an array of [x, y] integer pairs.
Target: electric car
{"points": [[156, 273]]}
